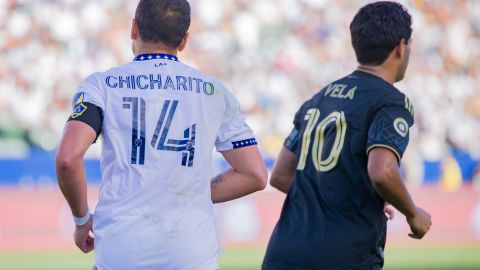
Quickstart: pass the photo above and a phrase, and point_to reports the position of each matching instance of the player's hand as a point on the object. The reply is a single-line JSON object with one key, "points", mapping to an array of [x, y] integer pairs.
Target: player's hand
{"points": [[82, 237], [420, 223], [389, 211]]}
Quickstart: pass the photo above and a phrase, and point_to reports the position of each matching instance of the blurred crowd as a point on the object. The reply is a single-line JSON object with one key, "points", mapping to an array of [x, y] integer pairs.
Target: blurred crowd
{"points": [[272, 54]]}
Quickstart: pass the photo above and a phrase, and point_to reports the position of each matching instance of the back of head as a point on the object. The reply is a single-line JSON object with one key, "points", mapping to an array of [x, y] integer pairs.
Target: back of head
{"points": [[377, 29], [163, 21]]}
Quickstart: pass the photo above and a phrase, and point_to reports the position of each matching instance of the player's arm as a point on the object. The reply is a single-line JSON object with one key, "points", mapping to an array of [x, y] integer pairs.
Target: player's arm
{"points": [[236, 142], [81, 130], [248, 174], [76, 139], [284, 170], [384, 173], [285, 166], [387, 140]]}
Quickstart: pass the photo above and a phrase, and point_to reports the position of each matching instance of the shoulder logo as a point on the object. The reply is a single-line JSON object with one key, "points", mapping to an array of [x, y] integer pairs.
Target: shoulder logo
{"points": [[401, 126], [79, 110], [78, 98]]}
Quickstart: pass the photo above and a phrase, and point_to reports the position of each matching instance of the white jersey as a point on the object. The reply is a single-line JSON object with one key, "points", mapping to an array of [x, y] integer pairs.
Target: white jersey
{"points": [[161, 121]]}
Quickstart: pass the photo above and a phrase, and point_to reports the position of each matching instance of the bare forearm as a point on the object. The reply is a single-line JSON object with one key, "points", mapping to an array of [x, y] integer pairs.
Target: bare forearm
{"points": [[389, 185], [385, 176], [394, 191], [73, 184], [231, 185], [284, 170]]}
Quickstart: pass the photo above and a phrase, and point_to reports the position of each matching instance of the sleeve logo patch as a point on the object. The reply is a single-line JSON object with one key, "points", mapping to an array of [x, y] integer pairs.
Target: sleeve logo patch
{"points": [[77, 99], [401, 126], [79, 110], [292, 138]]}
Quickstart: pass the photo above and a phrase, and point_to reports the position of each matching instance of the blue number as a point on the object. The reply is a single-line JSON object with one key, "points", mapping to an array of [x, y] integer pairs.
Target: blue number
{"points": [[186, 145], [138, 142]]}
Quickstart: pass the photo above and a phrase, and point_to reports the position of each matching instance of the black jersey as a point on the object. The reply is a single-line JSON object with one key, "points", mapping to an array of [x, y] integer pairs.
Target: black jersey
{"points": [[332, 217]]}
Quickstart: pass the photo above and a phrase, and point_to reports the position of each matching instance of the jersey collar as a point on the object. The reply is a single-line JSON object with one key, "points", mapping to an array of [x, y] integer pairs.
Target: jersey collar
{"points": [[364, 74], [153, 56]]}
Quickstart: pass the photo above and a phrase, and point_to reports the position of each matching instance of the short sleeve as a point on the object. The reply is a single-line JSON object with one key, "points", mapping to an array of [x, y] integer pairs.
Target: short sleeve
{"points": [[291, 142], [90, 91], [234, 131], [390, 129]]}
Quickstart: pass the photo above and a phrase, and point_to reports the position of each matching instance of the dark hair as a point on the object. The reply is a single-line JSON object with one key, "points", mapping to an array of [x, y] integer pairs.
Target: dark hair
{"points": [[377, 29], [163, 21]]}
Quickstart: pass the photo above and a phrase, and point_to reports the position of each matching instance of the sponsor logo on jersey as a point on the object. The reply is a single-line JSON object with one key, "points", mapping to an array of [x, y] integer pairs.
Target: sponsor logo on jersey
{"points": [[401, 126]]}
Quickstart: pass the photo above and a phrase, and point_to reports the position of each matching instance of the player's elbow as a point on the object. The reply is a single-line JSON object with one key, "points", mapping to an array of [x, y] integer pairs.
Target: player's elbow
{"points": [[259, 177], [282, 183], [65, 161], [262, 178], [277, 181]]}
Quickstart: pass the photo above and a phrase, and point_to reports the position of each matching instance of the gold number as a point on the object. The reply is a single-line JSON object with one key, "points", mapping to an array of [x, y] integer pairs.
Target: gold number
{"points": [[341, 128], [311, 116]]}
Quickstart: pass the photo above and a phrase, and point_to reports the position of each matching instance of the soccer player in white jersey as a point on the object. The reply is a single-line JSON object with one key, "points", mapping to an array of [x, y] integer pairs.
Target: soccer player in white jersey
{"points": [[160, 121]]}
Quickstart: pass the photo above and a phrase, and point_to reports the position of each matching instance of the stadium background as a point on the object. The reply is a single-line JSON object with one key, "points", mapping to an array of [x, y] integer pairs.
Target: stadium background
{"points": [[273, 55]]}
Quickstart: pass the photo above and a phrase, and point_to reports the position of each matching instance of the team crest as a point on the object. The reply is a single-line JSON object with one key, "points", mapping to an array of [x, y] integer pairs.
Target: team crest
{"points": [[401, 126], [79, 110], [77, 99]]}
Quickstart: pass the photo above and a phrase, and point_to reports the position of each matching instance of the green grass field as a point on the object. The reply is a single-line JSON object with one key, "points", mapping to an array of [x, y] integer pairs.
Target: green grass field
{"points": [[434, 258]]}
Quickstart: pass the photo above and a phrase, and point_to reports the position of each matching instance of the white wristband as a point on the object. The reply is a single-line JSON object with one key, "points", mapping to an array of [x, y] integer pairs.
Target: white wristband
{"points": [[82, 220]]}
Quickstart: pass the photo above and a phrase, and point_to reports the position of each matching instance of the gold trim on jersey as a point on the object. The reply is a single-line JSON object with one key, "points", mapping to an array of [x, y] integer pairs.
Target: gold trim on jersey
{"points": [[409, 106], [399, 158]]}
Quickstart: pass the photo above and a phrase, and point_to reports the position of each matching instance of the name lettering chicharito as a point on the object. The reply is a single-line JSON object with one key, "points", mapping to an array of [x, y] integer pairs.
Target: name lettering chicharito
{"points": [[159, 82]]}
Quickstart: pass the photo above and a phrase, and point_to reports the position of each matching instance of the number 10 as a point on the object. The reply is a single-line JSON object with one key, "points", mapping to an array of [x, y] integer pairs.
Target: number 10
{"points": [[329, 163]]}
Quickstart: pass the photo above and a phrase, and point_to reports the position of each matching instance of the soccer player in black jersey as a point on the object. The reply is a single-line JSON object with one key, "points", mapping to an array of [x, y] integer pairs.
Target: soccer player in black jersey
{"points": [[339, 165]]}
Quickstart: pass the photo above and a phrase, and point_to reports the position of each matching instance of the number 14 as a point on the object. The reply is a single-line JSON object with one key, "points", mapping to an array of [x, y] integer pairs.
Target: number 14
{"points": [[186, 145]]}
